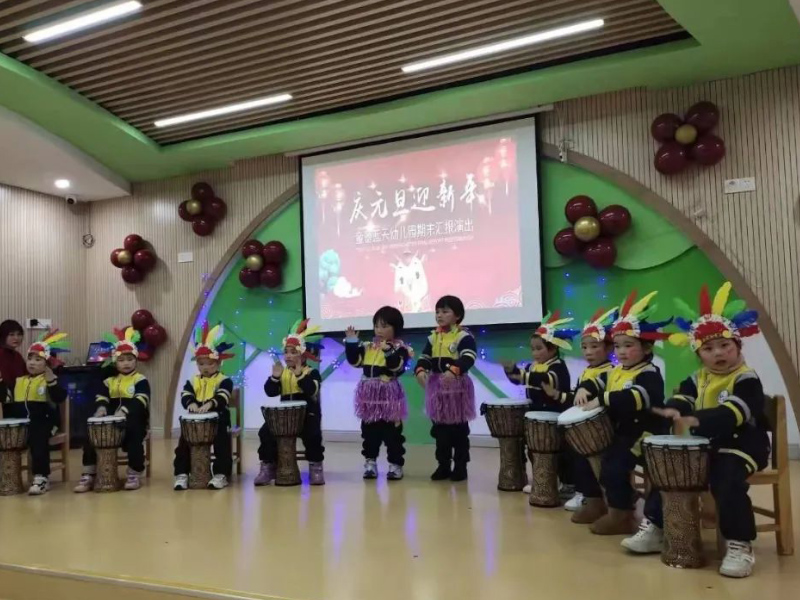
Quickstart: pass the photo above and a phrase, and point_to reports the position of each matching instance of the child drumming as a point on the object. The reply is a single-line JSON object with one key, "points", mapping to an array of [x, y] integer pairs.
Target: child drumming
{"points": [[629, 391], [30, 399], [449, 393], [380, 400], [208, 391], [126, 394], [723, 401], [297, 381]]}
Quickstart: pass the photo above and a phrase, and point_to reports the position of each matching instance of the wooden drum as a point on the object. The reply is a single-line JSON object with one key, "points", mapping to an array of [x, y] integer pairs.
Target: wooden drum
{"points": [[13, 442], [588, 432], [285, 423], [506, 420], [106, 435], [544, 443], [199, 431]]}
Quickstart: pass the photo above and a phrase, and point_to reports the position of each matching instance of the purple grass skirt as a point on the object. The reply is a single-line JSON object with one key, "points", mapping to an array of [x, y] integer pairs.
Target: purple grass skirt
{"points": [[449, 403], [378, 400]]}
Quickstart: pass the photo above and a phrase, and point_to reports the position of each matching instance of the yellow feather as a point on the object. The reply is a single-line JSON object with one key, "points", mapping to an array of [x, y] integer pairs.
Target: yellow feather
{"points": [[129, 333], [605, 315], [213, 333], [641, 304], [311, 331], [721, 298], [560, 322], [679, 339], [561, 343], [56, 338]]}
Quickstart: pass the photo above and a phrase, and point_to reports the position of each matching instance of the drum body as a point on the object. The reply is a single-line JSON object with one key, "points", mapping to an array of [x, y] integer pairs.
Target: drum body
{"points": [[106, 435], [285, 422], [199, 431], [678, 467], [506, 420], [544, 444], [13, 442], [588, 432]]}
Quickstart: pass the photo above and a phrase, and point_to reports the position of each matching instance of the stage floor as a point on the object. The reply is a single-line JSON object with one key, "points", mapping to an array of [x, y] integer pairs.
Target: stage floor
{"points": [[352, 539]]}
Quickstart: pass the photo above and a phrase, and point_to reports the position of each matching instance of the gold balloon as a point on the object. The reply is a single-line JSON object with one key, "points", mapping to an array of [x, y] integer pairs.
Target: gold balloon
{"points": [[194, 207], [686, 134], [587, 228], [124, 258], [254, 262]]}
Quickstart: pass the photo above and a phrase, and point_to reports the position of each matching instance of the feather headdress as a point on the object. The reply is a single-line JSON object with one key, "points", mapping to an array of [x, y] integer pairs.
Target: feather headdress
{"points": [[49, 345], [211, 343], [122, 341], [552, 331], [599, 325], [304, 338], [632, 319]]}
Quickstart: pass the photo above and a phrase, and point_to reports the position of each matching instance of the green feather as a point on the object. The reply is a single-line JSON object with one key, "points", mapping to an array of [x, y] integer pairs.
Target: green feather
{"points": [[110, 338], [734, 308], [685, 311]]}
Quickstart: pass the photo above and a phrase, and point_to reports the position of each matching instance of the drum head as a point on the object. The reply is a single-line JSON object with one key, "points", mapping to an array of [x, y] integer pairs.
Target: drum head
{"points": [[290, 404], [542, 415], [675, 440], [200, 416], [14, 422], [111, 419], [506, 402], [576, 414]]}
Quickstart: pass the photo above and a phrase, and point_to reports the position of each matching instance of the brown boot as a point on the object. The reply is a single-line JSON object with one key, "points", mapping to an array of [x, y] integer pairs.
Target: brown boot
{"points": [[616, 522], [592, 509]]}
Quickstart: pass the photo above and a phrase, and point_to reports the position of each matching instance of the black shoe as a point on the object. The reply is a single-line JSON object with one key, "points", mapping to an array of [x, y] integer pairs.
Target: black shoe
{"points": [[442, 472], [459, 472]]}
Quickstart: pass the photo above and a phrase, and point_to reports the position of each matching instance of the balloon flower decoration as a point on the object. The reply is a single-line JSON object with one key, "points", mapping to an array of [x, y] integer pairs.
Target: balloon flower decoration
{"points": [[687, 140], [136, 258], [148, 334], [204, 210], [263, 264], [591, 234]]}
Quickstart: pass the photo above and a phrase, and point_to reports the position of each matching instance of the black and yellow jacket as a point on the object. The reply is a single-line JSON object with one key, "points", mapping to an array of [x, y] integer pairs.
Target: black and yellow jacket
{"points": [[290, 387], [216, 389], [129, 393], [730, 409], [448, 350], [375, 362], [554, 372], [589, 374], [31, 398]]}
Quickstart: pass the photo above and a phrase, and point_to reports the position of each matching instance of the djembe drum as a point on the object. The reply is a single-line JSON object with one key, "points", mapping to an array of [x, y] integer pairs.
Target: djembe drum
{"points": [[106, 435], [13, 442], [588, 432], [199, 431], [506, 420], [285, 423], [544, 444], [678, 467]]}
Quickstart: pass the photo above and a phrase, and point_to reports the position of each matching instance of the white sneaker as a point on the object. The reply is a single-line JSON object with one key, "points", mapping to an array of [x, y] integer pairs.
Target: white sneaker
{"points": [[181, 482], [526, 489], [575, 503], [648, 540], [134, 480], [370, 469], [738, 561], [86, 484], [39, 486], [395, 472], [218, 482]]}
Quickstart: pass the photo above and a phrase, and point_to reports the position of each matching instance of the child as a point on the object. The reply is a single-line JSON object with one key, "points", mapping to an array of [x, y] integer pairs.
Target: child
{"points": [[30, 398], [209, 391], [125, 394], [723, 401], [629, 391], [297, 381], [449, 393], [380, 400]]}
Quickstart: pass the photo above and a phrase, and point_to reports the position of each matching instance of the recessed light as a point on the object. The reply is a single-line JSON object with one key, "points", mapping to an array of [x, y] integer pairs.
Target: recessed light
{"points": [[513, 44], [83, 21], [62, 184], [223, 110]]}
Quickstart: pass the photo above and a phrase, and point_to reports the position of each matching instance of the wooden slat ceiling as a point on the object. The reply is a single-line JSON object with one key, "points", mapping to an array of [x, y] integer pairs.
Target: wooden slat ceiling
{"points": [[179, 56]]}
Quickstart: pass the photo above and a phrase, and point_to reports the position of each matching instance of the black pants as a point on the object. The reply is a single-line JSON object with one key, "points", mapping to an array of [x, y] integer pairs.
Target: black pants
{"points": [[223, 455], [566, 466], [311, 437], [585, 481], [615, 473], [386, 432], [728, 481], [39, 431], [132, 443], [452, 442]]}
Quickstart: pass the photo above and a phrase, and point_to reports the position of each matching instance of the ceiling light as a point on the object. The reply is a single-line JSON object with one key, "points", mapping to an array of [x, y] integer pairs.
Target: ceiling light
{"points": [[223, 110], [513, 44], [62, 184], [87, 19]]}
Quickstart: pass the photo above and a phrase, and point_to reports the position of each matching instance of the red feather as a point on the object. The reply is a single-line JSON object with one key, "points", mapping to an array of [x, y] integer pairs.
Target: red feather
{"points": [[705, 301], [555, 316], [120, 333], [628, 303], [205, 332], [303, 326], [597, 315], [748, 331]]}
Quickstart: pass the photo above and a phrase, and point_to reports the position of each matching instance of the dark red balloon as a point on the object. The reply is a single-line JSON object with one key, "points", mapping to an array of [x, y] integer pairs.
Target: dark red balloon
{"points": [[132, 274], [133, 242], [274, 252], [183, 213], [600, 253], [248, 278], [271, 275], [708, 150], [203, 226], [155, 335], [216, 209], [580, 206], [671, 158], [144, 355], [614, 220], [252, 247], [144, 259], [566, 243], [202, 191], [703, 115], [664, 127], [142, 319], [114, 259]]}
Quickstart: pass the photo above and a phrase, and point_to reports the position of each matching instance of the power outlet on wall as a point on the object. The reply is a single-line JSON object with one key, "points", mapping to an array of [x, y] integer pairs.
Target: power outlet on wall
{"points": [[737, 186], [34, 323]]}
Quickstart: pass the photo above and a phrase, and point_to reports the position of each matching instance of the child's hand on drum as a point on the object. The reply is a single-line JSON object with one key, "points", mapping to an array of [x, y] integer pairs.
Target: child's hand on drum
{"points": [[277, 369], [581, 397], [101, 412], [667, 413], [205, 407], [120, 413], [551, 391], [591, 404], [193, 407], [682, 425], [351, 333]]}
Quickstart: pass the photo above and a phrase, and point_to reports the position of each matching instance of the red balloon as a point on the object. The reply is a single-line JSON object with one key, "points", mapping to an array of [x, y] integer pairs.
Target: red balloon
{"points": [[183, 213], [216, 209], [664, 127], [115, 257], [708, 150], [671, 158], [248, 278], [600, 253], [271, 275], [132, 274], [144, 356], [614, 220], [203, 226], [202, 191], [142, 319], [144, 259], [133, 242], [252, 247], [703, 115], [580, 206], [274, 252], [566, 243], [155, 335]]}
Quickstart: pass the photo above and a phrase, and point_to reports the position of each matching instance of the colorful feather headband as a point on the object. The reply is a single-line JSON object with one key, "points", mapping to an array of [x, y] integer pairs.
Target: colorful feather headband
{"points": [[599, 325], [211, 343], [551, 332], [49, 345], [304, 338], [122, 341], [632, 319]]}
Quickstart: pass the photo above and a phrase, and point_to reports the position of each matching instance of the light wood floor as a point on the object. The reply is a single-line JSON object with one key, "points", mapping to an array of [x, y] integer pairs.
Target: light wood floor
{"points": [[351, 539]]}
